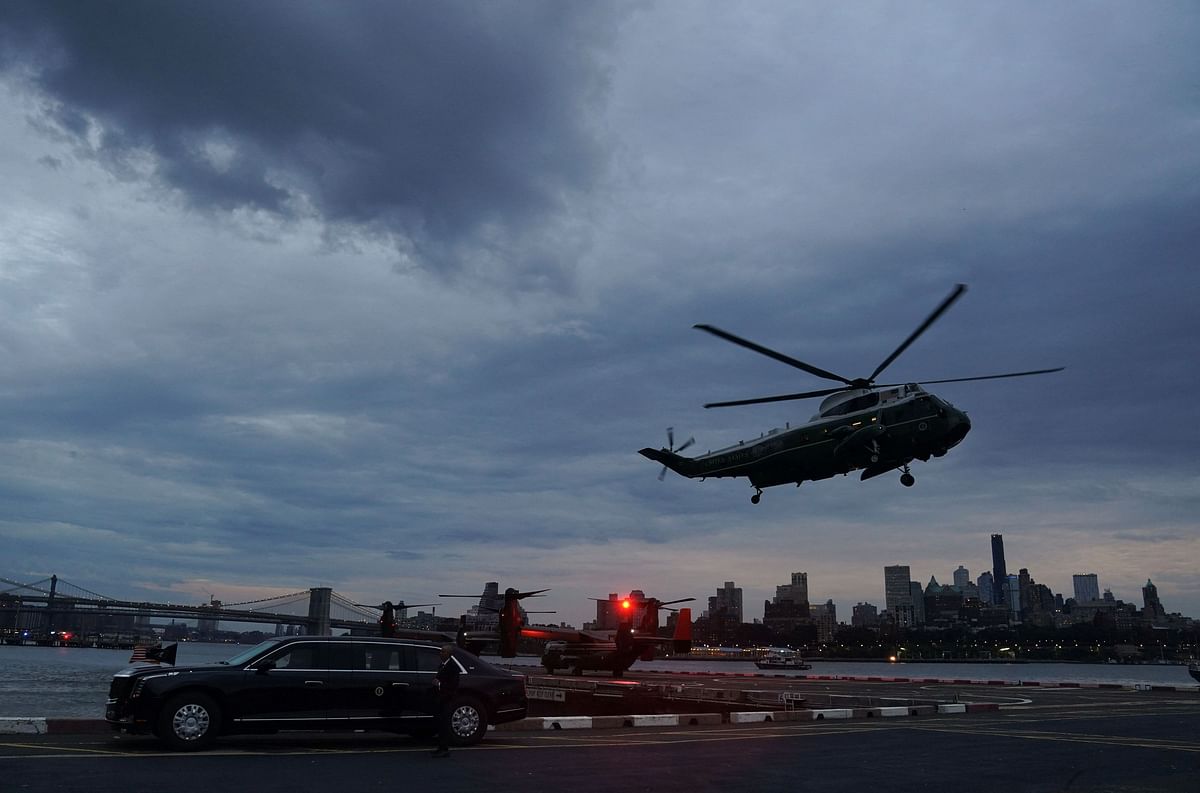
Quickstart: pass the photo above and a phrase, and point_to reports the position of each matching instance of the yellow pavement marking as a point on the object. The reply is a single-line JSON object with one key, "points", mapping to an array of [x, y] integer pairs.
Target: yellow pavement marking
{"points": [[58, 748]]}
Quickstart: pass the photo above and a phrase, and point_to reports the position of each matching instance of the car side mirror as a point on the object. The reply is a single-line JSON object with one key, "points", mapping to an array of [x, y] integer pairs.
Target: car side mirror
{"points": [[264, 667]]}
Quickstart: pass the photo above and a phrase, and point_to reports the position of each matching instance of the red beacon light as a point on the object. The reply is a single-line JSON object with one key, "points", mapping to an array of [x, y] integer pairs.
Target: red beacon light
{"points": [[625, 604]]}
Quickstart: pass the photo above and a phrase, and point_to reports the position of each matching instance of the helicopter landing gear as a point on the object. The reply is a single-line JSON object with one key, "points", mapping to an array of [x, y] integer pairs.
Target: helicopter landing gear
{"points": [[906, 478], [874, 451], [754, 499]]}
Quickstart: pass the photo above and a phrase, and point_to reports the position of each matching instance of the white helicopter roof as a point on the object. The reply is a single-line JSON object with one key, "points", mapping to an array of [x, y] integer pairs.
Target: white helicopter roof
{"points": [[857, 399]]}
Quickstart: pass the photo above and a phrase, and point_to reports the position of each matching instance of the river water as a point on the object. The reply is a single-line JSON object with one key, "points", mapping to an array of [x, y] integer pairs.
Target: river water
{"points": [[72, 682]]}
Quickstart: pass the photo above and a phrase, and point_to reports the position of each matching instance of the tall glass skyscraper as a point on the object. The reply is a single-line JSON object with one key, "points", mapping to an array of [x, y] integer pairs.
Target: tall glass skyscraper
{"points": [[897, 593], [999, 571], [1087, 587]]}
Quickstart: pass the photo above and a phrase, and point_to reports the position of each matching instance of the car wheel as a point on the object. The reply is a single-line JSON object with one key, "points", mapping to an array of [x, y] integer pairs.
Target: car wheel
{"points": [[468, 721], [188, 722]]}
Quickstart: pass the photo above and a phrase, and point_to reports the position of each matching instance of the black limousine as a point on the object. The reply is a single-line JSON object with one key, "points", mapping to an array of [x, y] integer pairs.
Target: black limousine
{"points": [[312, 683]]}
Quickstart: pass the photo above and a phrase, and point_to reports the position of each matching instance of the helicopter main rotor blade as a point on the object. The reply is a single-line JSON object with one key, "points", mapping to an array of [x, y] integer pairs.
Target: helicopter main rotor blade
{"points": [[778, 356], [780, 398], [937, 312], [681, 600], [537, 593], [981, 377]]}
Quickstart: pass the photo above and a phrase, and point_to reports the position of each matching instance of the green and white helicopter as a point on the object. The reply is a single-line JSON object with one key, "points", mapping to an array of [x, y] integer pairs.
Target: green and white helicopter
{"points": [[861, 424]]}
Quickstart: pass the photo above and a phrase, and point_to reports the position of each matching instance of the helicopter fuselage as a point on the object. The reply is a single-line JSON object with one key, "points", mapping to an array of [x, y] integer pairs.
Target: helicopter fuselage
{"points": [[873, 430]]}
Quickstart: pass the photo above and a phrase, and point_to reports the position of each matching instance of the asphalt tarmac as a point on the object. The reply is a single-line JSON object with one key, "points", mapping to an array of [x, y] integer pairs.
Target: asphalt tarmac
{"points": [[1039, 740]]}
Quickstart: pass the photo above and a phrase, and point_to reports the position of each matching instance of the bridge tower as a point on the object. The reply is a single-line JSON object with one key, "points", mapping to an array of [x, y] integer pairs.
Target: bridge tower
{"points": [[318, 610], [50, 605]]}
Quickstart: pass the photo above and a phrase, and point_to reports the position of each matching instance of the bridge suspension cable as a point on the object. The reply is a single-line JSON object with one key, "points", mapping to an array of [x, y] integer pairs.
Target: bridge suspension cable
{"points": [[352, 607], [278, 599], [64, 588]]}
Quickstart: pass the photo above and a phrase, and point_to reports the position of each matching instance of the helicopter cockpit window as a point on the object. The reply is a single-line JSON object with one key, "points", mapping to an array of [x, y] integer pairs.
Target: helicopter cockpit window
{"points": [[864, 402]]}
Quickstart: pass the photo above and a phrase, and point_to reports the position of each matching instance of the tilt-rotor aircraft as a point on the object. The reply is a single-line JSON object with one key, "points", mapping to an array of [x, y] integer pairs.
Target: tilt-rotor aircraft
{"points": [[861, 424], [614, 651], [388, 624], [512, 624]]}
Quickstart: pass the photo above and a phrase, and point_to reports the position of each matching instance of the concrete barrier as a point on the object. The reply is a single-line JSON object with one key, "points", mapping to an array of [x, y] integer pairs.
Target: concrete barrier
{"points": [[750, 717], [890, 712], [832, 713], [954, 708], [653, 720], [17, 725], [567, 722]]}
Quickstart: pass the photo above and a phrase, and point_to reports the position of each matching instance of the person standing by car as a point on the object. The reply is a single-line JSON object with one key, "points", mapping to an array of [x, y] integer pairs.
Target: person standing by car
{"points": [[445, 686]]}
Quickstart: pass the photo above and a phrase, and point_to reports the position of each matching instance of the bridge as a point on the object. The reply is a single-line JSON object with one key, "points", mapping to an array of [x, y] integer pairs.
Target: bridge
{"points": [[43, 610]]}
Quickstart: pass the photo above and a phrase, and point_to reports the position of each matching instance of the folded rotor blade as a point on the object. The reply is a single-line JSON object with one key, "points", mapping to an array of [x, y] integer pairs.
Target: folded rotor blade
{"points": [[778, 356], [937, 312]]}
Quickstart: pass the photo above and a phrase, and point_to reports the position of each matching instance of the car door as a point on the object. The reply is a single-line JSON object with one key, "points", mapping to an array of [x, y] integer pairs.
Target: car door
{"points": [[288, 687], [419, 699], [370, 688]]}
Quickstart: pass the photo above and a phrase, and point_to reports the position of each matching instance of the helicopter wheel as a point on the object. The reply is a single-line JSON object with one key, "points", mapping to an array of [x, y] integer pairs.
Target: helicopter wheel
{"points": [[754, 499], [907, 479]]}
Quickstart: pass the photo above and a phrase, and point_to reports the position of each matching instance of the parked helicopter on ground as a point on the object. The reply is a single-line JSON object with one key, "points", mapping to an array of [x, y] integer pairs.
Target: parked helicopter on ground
{"points": [[511, 624], [876, 427], [614, 651], [388, 623]]}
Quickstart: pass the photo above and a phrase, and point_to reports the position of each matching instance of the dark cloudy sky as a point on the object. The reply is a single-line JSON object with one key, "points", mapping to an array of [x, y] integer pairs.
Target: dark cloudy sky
{"points": [[385, 296]]}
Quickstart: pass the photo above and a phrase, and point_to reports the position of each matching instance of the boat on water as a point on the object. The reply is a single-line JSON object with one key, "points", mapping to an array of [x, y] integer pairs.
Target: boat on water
{"points": [[782, 659]]}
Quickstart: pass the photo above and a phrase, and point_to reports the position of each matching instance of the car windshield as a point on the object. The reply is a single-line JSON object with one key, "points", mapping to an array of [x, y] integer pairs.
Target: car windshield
{"points": [[246, 655]]}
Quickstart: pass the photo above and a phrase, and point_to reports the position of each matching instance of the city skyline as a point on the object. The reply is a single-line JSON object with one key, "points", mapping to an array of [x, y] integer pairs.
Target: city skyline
{"points": [[802, 581], [263, 331]]}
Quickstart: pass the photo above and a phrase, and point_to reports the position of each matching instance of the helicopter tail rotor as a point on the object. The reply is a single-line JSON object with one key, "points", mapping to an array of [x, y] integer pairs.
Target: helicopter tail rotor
{"points": [[672, 450]]}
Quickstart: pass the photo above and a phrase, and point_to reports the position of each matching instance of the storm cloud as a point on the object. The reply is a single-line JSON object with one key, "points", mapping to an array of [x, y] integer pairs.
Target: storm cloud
{"points": [[450, 127]]}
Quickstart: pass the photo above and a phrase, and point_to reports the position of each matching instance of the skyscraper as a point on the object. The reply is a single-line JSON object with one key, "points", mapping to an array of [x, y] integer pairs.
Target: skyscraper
{"points": [[962, 577], [797, 591], [986, 588], [1087, 587], [999, 571], [917, 594], [728, 602], [1012, 591], [865, 616], [790, 607], [1154, 607], [897, 593]]}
